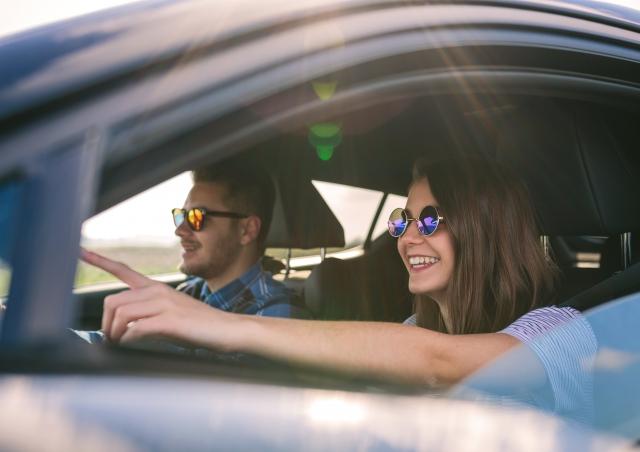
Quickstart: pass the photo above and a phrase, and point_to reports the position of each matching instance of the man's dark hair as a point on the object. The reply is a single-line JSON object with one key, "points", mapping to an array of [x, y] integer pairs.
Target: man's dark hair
{"points": [[248, 189]]}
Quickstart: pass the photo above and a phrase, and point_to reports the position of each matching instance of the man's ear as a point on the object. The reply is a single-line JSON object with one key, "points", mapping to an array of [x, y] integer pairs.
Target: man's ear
{"points": [[250, 230]]}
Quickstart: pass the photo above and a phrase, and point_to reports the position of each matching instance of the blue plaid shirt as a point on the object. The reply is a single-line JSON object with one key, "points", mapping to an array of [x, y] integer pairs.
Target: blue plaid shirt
{"points": [[255, 292]]}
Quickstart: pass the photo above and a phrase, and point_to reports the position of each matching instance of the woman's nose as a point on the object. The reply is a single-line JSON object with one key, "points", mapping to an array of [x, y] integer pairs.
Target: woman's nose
{"points": [[412, 234]]}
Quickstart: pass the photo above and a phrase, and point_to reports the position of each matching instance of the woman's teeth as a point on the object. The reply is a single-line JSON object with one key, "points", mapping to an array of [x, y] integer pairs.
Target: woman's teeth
{"points": [[421, 260]]}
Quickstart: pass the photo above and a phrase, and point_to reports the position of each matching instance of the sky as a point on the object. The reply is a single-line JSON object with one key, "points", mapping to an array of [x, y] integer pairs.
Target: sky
{"points": [[144, 219]]}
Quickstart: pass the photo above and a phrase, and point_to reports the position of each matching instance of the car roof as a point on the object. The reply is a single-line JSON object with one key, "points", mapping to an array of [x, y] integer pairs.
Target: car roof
{"points": [[80, 76], [140, 27]]}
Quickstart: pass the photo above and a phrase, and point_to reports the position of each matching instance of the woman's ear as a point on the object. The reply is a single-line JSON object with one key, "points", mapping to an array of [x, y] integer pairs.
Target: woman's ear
{"points": [[250, 230]]}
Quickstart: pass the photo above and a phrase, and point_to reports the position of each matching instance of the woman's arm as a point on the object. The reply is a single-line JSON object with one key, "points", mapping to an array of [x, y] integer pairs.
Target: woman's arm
{"points": [[400, 352]]}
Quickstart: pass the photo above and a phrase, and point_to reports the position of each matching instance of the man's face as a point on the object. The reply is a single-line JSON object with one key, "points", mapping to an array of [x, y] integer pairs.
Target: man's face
{"points": [[209, 252]]}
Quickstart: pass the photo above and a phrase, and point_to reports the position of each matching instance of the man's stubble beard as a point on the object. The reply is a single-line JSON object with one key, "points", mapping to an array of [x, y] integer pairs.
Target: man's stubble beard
{"points": [[226, 252]]}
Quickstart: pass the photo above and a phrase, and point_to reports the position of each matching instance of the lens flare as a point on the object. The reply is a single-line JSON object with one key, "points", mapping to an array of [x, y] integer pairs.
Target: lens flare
{"points": [[325, 137], [324, 90]]}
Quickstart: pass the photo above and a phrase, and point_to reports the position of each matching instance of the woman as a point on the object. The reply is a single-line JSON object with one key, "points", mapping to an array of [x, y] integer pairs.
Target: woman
{"points": [[474, 263], [491, 267]]}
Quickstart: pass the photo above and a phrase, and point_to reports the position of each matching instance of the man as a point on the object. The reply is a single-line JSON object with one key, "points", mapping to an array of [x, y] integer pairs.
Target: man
{"points": [[223, 226]]}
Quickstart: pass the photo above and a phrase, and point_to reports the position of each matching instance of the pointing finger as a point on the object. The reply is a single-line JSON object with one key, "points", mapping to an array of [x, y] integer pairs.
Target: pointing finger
{"points": [[121, 271]]}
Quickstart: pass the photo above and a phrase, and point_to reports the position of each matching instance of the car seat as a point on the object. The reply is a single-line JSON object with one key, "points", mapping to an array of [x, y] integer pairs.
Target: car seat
{"points": [[370, 287]]}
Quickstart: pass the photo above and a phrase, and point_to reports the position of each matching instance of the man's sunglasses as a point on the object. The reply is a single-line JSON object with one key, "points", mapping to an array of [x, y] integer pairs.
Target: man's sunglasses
{"points": [[195, 216], [428, 221]]}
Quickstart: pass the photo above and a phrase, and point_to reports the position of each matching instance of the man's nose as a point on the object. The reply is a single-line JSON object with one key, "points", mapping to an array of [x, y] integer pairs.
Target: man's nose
{"points": [[183, 230]]}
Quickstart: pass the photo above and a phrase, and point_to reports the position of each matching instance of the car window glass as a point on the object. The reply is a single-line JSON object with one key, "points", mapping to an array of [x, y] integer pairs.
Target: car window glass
{"points": [[138, 231], [354, 208], [592, 377]]}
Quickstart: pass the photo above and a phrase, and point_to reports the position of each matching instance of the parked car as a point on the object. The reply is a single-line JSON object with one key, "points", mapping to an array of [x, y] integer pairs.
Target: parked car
{"points": [[97, 109]]}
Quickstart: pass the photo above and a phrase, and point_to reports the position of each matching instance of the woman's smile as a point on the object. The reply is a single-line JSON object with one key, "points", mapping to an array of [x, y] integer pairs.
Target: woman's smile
{"points": [[420, 263]]}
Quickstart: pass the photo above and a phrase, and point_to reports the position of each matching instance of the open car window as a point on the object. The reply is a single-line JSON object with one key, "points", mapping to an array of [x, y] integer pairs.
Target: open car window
{"points": [[138, 231], [354, 208]]}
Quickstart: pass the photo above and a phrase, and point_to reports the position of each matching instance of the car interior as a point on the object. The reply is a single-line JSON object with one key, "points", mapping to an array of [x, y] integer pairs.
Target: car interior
{"points": [[578, 159]]}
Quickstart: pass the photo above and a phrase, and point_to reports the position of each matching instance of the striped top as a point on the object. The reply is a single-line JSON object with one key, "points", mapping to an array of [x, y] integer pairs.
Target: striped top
{"points": [[565, 344]]}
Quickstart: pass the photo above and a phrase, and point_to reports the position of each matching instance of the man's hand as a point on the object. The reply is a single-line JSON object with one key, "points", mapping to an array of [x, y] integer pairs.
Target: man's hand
{"points": [[153, 309]]}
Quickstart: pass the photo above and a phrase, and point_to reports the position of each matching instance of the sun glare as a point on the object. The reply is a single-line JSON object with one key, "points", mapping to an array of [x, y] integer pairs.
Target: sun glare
{"points": [[26, 14]]}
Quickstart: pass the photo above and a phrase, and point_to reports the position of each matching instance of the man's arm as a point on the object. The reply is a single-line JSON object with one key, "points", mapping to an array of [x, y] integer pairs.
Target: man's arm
{"points": [[399, 352]]}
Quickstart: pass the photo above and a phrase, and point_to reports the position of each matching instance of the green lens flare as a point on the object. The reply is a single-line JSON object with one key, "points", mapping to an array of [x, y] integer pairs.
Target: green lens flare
{"points": [[324, 152], [325, 129], [325, 137]]}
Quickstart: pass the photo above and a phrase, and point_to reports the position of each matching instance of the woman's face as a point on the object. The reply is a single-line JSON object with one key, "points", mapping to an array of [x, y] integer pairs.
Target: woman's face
{"points": [[429, 260]]}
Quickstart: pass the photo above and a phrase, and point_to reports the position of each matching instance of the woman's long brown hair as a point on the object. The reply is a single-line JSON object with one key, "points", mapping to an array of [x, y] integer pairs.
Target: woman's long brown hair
{"points": [[501, 271]]}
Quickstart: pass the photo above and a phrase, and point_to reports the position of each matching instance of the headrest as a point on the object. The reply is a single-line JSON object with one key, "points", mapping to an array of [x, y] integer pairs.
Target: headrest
{"points": [[301, 218], [577, 168], [330, 291], [369, 287]]}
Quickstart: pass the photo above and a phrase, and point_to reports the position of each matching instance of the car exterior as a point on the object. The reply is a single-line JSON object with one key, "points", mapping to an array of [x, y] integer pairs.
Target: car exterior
{"points": [[96, 109]]}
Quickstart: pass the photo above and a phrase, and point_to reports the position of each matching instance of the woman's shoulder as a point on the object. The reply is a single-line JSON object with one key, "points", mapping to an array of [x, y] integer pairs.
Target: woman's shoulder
{"points": [[533, 323], [412, 321], [565, 344], [542, 320]]}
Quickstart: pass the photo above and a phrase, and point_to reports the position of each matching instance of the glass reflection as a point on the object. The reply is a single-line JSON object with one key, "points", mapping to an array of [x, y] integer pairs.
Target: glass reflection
{"points": [[586, 371]]}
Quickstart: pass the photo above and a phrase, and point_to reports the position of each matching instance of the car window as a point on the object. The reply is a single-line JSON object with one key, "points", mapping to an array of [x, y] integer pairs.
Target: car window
{"points": [[354, 208], [138, 231]]}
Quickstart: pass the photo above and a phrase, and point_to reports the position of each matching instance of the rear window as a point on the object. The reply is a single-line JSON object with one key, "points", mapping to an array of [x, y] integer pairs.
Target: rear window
{"points": [[354, 208]]}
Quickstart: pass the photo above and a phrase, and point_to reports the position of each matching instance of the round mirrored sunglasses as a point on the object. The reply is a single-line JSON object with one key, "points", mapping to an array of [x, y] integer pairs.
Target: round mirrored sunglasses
{"points": [[428, 221]]}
